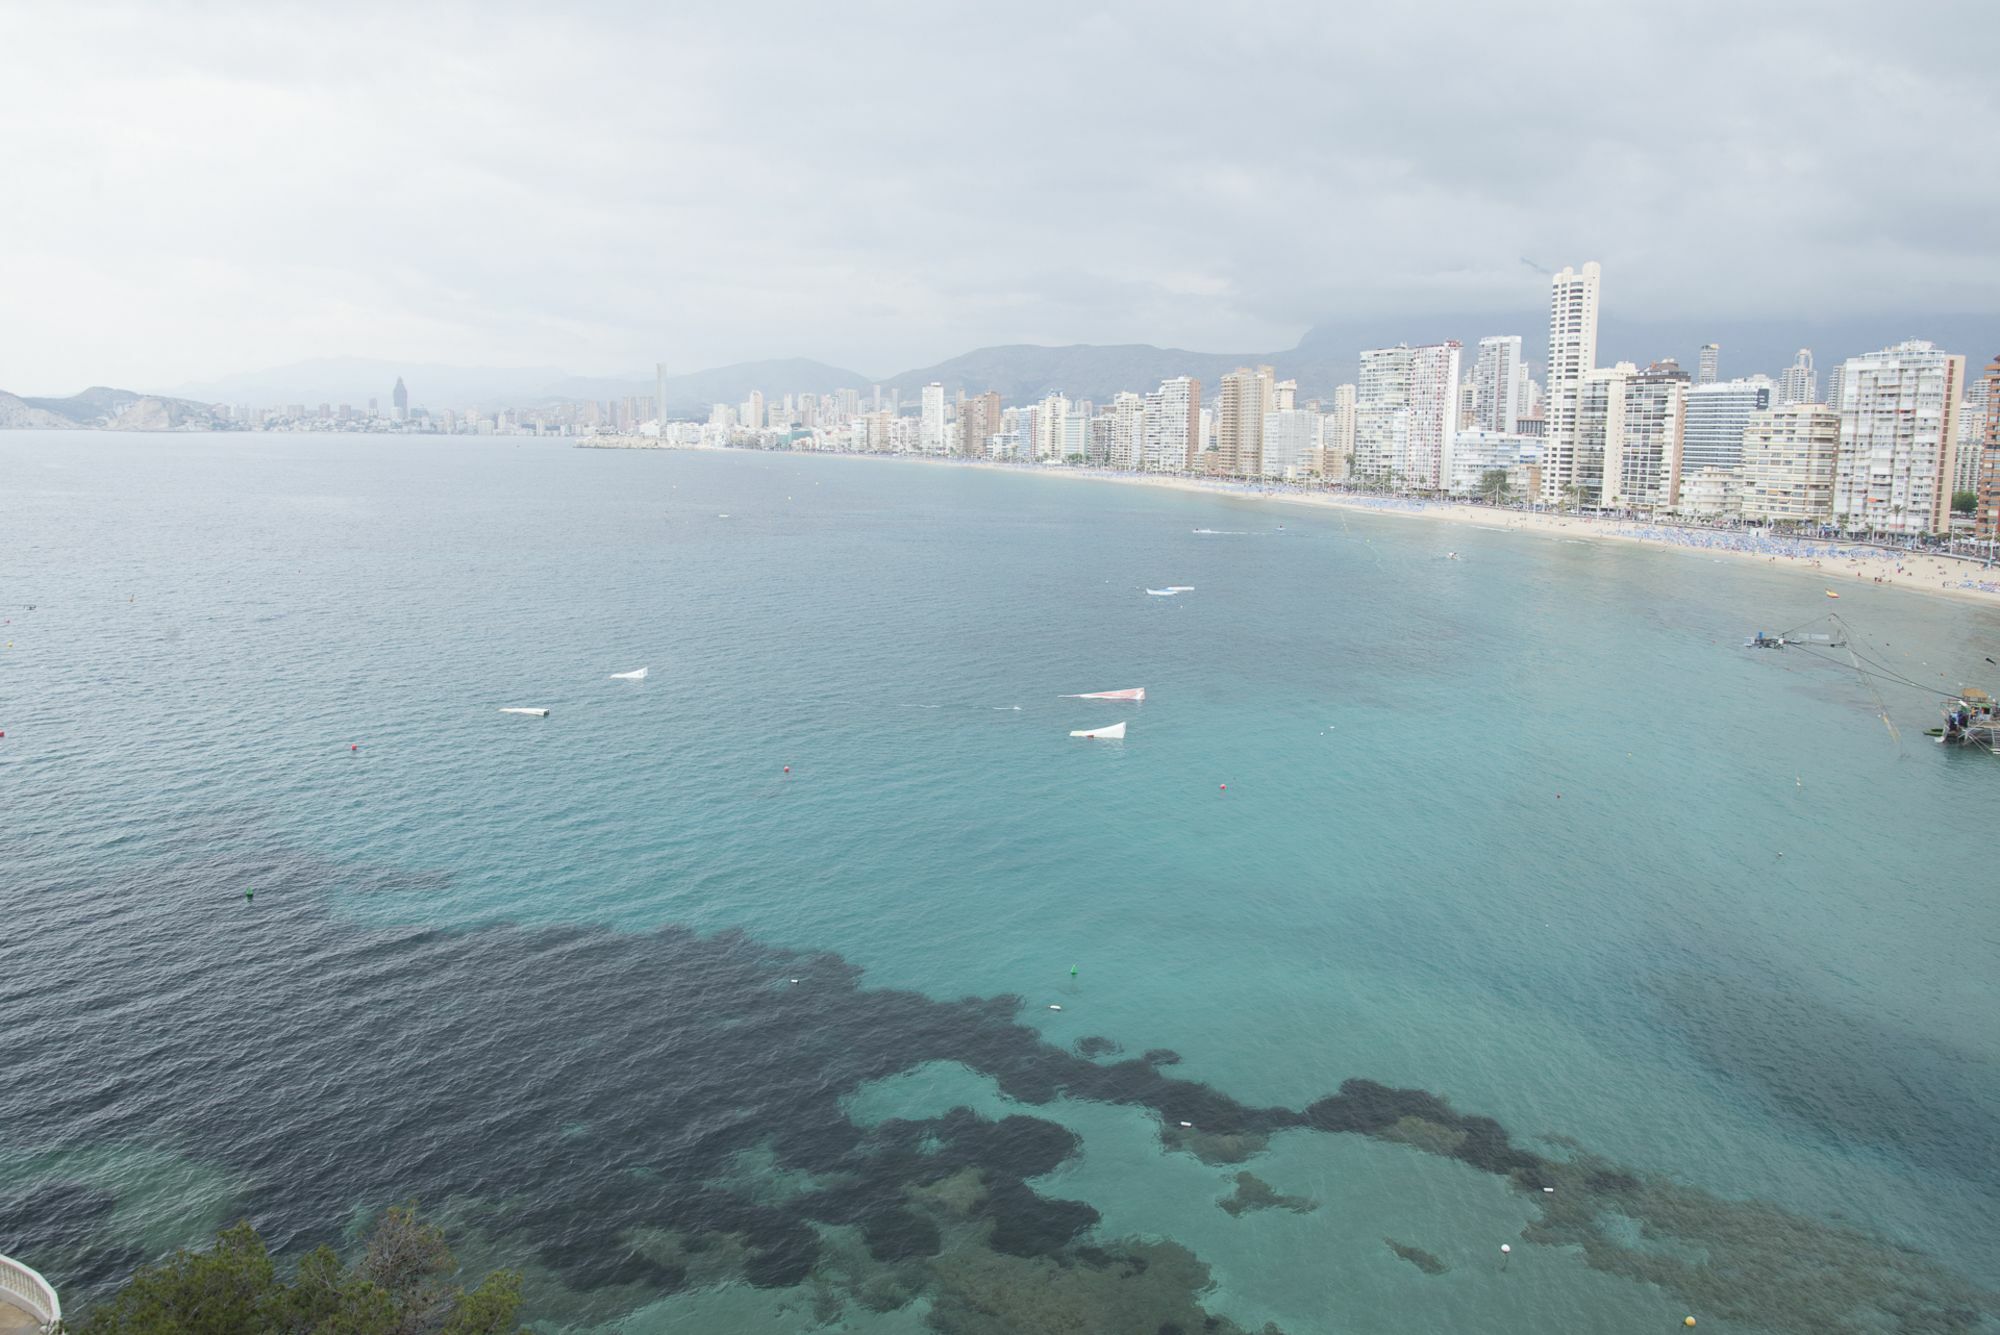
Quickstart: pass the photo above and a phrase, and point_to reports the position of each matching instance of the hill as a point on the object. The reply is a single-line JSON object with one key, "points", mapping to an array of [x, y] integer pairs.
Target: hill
{"points": [[105, 409]]}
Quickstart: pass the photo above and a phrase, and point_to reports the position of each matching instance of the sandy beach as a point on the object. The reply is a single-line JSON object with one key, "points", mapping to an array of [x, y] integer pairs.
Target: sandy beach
{"points": [[1836, 565]]}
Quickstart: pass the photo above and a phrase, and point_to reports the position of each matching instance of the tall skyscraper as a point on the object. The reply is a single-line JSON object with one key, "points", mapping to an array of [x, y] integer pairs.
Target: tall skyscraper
{"points": [[1246, 397], [753, 410], [1172, 428], [1382, 415], [1497, 381], [933, 435], [1898, 433], [1126, 435], [978, 422], [1717, 414], [1789, 453], [1573, 296], [1986, 519], [1642, 469], [1433, 415], [1337, 439], [399, 401], [1799, 383], [1710, 367], [1052, 428]]}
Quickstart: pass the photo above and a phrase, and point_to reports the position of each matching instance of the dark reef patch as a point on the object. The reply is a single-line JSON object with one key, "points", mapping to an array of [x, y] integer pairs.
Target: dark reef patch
{"points": [[587, 1100], [1097, 1045], [1417, 1257], [1254, 1193], [1161, 1057]]}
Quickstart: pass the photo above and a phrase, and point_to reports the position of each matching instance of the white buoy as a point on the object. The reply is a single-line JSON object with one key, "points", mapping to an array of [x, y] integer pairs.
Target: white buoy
{"points": [[1189, 1125], [795, 980], [1506, 1250], [1548, 1190], [1055, 1008]]}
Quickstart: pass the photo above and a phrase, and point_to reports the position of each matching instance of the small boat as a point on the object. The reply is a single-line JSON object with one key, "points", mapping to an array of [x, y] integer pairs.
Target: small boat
{"points": [[1161, 593], [532, 713], [1831, 594], [1114, 733], [1136, 693], [640, 675], [1180, 588]]}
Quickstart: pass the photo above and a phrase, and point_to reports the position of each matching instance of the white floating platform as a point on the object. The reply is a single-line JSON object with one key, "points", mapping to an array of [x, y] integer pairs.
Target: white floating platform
{"points": [[1114, 733], [533, 713]]}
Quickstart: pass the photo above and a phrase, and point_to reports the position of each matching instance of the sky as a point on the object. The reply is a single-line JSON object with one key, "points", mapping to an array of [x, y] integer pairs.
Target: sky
{"points": [[198, 189]]}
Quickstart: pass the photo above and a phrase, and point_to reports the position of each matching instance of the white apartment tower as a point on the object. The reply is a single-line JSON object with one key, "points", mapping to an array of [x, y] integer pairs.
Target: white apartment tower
{"points": [[1052, 432], [1382, 414], [1898, 438], [1718, 412], [1789, 454], [1337, 437], [1433, 415], [1172, 433], [1127, 416], [1642, 468], [1573, 295], [1498, 378], [1709, 369], [1799, 383], [1247, 397], [934, 435]]}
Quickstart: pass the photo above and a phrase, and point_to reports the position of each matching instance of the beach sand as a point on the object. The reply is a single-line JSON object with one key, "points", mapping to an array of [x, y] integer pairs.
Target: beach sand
{"points": [[1836, 565]]}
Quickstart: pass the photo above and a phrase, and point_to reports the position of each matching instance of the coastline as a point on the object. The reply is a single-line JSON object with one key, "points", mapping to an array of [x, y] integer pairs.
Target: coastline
{"points": [[1835, 564]]}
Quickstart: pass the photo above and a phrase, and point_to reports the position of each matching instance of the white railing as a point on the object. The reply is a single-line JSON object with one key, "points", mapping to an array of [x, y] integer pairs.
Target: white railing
{"points": [[23, 1288]]}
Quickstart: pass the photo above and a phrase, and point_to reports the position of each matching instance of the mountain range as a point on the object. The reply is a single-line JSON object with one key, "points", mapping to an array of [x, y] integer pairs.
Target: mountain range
{"points": [[1327, 355]]}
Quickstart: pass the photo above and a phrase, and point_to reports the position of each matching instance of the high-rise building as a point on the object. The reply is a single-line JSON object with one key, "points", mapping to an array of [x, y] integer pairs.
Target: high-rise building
{"points": [[1337, 438], [1284, 394], [978, 422], [1969, 454], [1643, 467], [1898, 438], [1246, 396], [753, 410], [1052, 428], [933, 432], [1573, 298], [1709, 369], [660, 393], [1986, 519], [1789, 453], [1126, 439], [1498, 377], [1717, 414], [1289, 438], [1382, 415], [1433, 415], [1172, 429], [1600, 432], [1799, 383], [399, 399]]}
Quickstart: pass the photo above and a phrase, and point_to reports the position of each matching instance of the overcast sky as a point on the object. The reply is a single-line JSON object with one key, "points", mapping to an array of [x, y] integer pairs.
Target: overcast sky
{"points": [[194, 190]]}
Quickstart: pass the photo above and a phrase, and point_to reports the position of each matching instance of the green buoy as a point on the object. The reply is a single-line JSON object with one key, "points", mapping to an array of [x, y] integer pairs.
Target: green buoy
{"points": [[249, 896], [1072, 971]]}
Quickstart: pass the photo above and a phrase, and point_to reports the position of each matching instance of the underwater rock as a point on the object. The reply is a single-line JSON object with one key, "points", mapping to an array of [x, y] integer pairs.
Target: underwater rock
{"points": [[1161, 1057], [1254, 1193], [1097, 1045], [1215, 1150], [1417, 1257]]}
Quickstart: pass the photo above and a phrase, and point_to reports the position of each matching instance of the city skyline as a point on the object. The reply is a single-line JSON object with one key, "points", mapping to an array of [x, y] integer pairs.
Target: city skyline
{"points": [[432, 185]]}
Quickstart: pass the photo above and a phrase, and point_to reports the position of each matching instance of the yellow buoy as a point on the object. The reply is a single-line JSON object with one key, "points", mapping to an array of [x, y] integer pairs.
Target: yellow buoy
{"points": [[1688, 1322]]}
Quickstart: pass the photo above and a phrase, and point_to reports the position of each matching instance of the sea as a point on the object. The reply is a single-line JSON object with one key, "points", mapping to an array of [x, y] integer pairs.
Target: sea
{"points": [[1487, 943]]}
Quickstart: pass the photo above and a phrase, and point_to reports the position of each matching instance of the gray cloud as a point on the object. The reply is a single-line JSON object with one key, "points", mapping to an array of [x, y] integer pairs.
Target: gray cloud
{"points": [[202, 188]]}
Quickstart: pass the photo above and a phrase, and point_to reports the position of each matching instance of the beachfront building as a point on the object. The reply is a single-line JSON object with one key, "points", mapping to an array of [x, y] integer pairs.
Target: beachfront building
{"points": [[1970, 448], [1573, 296], [1382, 414], [1709, 368], [1789, 454], [1125, 431], [933, 432], [1986, 519], [1172, 429], [1495, 465], [1289, 438], [1718, 413], [1642, 463], [1246, 397], [1433, 415], [1052, 434], [1336, 442], [1799, 383], [1711, 493], [1600, 426], [978, 423], [1898, 439], [1498, 378]]}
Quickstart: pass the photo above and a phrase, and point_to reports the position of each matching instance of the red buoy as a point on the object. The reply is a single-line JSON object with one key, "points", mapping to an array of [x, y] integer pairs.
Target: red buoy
{"points": [[1225, 787], [788, 769]]}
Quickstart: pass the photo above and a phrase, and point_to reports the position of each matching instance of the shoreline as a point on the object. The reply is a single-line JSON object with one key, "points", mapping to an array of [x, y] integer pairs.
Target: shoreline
{"points": [[1836, 564]]}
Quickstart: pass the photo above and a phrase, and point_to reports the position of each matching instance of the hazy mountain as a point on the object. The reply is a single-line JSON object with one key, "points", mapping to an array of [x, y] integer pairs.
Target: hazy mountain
{"points": [[355, 380], [107, 409]]}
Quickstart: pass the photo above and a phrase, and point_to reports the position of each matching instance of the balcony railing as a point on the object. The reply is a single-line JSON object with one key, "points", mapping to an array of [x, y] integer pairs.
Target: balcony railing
{"points": [[27, 1291]]}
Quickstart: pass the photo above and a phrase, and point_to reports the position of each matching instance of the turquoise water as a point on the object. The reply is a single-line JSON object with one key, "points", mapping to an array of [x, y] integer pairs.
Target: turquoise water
{"points": [[1528, 830]]}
